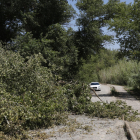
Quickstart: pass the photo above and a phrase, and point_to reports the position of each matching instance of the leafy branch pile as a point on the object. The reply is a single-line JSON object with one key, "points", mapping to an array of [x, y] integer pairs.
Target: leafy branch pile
{"points": [[113, 110], [32, 98]]}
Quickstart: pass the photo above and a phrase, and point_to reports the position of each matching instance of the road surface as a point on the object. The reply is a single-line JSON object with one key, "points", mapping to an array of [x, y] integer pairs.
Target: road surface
{"points": [[104, 94]]}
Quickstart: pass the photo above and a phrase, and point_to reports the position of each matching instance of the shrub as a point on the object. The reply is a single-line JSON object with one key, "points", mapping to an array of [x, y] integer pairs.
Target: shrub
{"points": [[32, 98], [123, 73]]}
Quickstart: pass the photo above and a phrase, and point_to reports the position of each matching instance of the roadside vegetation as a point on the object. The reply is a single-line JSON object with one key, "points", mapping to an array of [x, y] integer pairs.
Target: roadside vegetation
{"points": [[125, 72], [33, 98], [90, 71], [45, 69], [114, 92]]}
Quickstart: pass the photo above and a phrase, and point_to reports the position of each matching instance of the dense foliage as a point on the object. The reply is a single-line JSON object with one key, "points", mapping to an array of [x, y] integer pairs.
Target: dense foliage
{"points": [[90, 37], [123, 73], [124, 20], [44, 68], [32, 97], [33, 16], [90, 71], [57, 48]]}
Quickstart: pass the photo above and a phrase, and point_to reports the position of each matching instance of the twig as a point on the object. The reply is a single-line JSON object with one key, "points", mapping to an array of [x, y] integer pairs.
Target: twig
{"points": [[96, 94], [7, 120]]}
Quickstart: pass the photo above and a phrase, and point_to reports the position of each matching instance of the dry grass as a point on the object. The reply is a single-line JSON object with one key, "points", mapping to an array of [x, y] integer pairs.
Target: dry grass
{"points": [[70, 127]]}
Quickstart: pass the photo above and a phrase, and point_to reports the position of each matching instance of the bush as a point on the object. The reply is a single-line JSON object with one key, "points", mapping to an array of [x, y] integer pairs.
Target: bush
{"points": [[112, 110], [114, 92], [32, 98], [29, 96], [121, 73]]}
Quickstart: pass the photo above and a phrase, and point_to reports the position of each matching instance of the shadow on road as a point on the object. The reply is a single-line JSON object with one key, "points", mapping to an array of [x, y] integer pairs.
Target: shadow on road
{"points": [[102, 95], [121, 95], [125, 95]]}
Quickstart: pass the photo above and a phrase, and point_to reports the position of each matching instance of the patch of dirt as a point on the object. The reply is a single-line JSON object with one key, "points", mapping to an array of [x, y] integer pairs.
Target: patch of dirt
{"points": [[81, 127], [135, 126]]}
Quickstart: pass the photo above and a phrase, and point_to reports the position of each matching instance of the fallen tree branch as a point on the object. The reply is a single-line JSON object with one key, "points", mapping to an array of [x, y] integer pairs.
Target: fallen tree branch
{"points": [[96, 94]]}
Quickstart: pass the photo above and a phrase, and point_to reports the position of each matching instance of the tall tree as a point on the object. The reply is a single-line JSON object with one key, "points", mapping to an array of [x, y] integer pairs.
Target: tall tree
{"points": [[8, 21], [90, 37], [32, 15], [126, 24]]}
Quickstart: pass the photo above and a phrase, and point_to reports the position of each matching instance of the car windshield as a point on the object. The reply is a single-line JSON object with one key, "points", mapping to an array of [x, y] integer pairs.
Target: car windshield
{"points": [[94, 84]]}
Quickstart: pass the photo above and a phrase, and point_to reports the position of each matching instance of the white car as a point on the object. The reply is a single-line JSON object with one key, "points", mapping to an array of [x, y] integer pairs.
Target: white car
{"points": [[95, 85]]}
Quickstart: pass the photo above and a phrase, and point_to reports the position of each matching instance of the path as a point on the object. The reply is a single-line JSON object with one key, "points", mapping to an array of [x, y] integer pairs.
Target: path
{"points": [[104, 95], [81, 127], [131, 101]]}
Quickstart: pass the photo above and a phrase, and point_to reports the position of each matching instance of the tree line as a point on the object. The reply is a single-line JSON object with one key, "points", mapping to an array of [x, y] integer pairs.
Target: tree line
{"points": [[36, 27]]}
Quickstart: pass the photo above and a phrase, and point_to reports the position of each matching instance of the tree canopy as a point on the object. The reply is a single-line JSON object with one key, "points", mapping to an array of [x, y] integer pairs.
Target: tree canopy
{"points": [[90, 37], [32, 16], [125, 22]]}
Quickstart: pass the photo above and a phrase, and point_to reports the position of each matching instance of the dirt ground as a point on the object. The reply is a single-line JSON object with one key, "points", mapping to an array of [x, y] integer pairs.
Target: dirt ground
{"points": [[81, 127]]}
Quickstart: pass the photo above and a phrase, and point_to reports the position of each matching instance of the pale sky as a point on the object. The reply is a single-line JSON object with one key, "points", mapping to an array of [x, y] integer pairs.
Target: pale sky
{"points": [[72, 23]]}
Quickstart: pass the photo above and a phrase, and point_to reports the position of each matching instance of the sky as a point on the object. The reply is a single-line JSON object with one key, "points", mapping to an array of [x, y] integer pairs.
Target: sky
{"points": [[109, 45]]}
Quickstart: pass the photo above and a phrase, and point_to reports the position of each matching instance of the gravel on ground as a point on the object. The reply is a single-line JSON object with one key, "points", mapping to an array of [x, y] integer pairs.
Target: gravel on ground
{"points": [[81, 127]]}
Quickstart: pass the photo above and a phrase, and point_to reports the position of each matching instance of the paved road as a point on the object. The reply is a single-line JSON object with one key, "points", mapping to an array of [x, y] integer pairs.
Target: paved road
{"points": [[129, 99], [104, 94]]}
